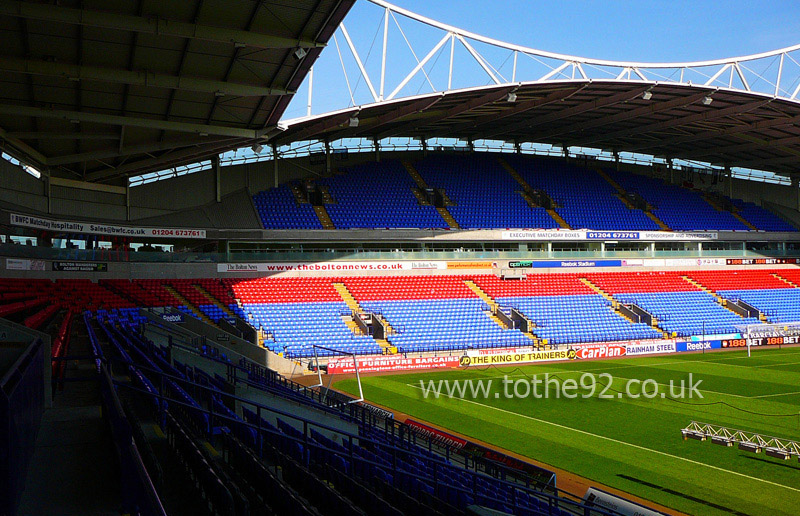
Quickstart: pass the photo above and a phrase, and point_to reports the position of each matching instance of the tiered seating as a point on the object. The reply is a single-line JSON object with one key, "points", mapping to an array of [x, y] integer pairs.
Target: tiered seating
{"points": [[38, 319], [340, 470], [533, 285], [378, 195], [688, 313], [759, 288], [485, 194], [680, 208], [780, 305], [655, 281], [137, 291], [300, 313], [83, 294], [792, 275], [284, 290], [733, 280], [680, 307], [279, 210], [157, 294], [298, 327], [762, 219], [443, 325], [564, 309], [376, 288], [577, 318], [432, 313], [585, 199]]}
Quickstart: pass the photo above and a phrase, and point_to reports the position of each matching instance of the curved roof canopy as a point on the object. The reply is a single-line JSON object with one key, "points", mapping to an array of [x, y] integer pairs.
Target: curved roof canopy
{"points": [[99, 90], [718, 125]]}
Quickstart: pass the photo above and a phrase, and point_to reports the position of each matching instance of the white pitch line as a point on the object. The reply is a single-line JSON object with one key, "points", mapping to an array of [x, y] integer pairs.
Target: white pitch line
{"points": [[777, 364], [584, 432], [773, 395]]}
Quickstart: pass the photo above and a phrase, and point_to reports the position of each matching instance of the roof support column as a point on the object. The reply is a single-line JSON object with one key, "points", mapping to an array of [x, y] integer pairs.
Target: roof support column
{"points": [[377, 145], [729, 178], [274, 165], [517, 147], [217, 178], [327, 157], [671, 171], [796, 187], [47, 191], [616, 160], [424, 147]]}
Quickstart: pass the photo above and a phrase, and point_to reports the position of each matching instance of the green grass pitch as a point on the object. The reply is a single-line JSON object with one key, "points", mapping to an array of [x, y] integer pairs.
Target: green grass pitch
{"points": [[635, 445]]}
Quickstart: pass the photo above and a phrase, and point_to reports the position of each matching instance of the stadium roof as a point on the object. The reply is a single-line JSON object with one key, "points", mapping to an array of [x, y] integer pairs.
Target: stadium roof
{"points": [[704, 123], [98, 90]]}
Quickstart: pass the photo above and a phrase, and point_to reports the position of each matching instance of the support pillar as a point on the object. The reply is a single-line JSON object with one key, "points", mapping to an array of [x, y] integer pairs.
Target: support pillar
{"points": [[616, 160], [671, 171], [377, 145], [729, 178], [47, 192], [424, 147], [128, 199], [327, 157], [217, 178], [274, 166]]}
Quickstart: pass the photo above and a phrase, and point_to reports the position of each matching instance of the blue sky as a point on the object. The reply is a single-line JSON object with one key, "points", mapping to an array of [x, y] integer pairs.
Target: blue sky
{"points": [[615, 30]]}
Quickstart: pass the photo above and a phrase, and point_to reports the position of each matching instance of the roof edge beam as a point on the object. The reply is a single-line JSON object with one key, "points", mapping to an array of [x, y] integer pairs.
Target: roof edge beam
{"points": [[149, 25], [116, 151], [135, 78], [117, 120], [494, 95]]}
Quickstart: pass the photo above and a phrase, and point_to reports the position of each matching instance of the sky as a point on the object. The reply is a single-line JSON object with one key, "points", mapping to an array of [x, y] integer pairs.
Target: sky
{"points": [[665, 30]]}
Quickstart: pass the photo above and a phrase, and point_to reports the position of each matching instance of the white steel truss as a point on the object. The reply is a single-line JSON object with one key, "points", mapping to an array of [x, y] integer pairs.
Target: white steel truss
{"points": [[775, 73]]}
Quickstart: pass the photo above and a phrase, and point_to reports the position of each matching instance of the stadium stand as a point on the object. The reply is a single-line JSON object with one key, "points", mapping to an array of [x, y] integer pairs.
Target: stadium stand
{"points": [[484, 194], [278, 209], [679, 305], [680, 208], [761, 218], [380, 469], [582, 197], [364, 192], [432, 313]]}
